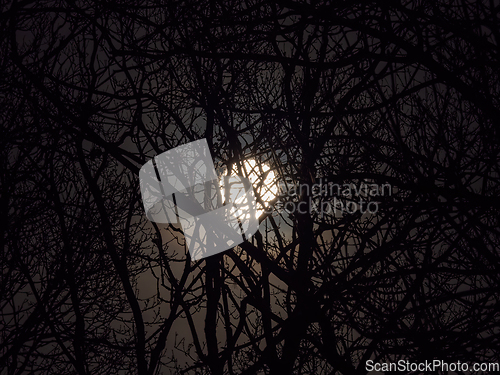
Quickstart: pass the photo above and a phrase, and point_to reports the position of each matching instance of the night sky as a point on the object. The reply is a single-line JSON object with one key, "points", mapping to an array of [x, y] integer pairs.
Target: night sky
{"points": [[370, 133]]}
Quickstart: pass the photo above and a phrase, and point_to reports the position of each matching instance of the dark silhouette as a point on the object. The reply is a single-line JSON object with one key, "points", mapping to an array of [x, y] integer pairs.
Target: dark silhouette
{"points": [[401, 95]]}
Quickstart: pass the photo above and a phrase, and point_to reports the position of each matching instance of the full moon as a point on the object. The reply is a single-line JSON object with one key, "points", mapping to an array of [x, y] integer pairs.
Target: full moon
{"points": [[263, 180]]}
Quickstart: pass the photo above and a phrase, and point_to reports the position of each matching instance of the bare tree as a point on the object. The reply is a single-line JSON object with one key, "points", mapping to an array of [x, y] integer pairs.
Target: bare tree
{"points": [[401, 96]]}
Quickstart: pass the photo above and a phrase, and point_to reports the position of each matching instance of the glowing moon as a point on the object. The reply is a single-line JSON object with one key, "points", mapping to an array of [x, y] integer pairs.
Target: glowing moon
{"points": [[263, 180]]}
